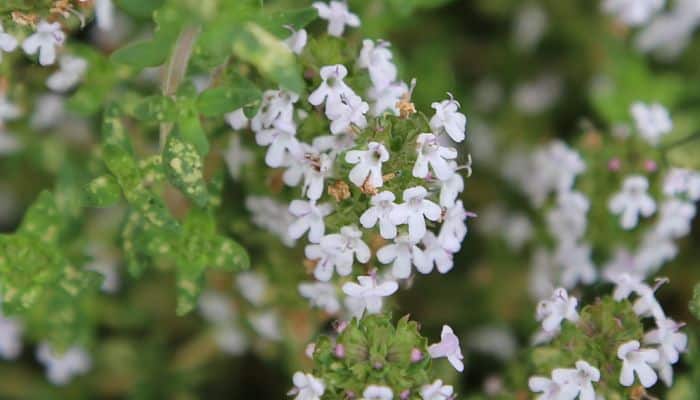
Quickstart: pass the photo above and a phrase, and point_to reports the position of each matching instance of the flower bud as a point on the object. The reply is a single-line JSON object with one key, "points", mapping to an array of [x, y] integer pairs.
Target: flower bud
{"points": [[416, 355], [339, 350]]}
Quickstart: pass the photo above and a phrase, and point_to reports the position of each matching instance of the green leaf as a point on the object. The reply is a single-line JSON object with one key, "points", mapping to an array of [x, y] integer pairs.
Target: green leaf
{"points": [[118, 158], [630, 81], [103, 191], [221, 100], [200, 247], [183, 167], [156, 108], [190, 129], [270, 56], [151, 53], [140, 8], [143, 54], [275, 22]]}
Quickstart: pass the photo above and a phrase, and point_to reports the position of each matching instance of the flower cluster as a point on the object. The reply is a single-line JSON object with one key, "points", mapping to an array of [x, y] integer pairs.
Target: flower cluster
{"points": [[378, 159], [620, 357], [374, 359]]}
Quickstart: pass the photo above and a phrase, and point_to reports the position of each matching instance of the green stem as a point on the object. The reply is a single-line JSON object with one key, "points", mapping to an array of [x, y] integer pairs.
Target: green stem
{"points": [[174, 71]]}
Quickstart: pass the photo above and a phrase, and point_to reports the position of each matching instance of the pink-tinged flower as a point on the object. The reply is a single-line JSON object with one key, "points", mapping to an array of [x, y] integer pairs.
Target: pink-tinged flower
{"points": [[44, 41], [632, 201], [337, 15], [448, 347]]}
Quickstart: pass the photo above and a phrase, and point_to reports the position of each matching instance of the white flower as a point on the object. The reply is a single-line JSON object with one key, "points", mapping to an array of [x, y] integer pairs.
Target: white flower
{"points": [[454, 227], [434, 254], [8, 42], [518, 231], [633, 12], [529, 26], [652, 121], [377, 60], [385, 99], [277, 106], [327, 260], [109, 269], [60, 368], [431, 153], [334, 144], [403, 252], [556, 309], [8, 110], [575, 260], [104, 14], [49, 110], [10, 338], [296, 41], [307, 387], [215, 307], [671, 342], [230, 339], [236, 156], [636, 360], [252, 286], [654, 251], [272, 216], [538, 95], [414, 210], [337, 15], [542, 273], [567, 222], [337, 251], [451, 187], [368, 164], [369, 293], [380, 211], [236, 119], [436, 391], [626, 280], [309, 218], [682, 182], [646, 304], [321, 295], [315, 168], [448, 119], [554, 168], [579, 381], [332, 89], [550, 389], [44, 41], [632, 201], [674, 218], [266, 324], [665, 370], [349, 111], [377, 392], [281, 138], [448, 347]]}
